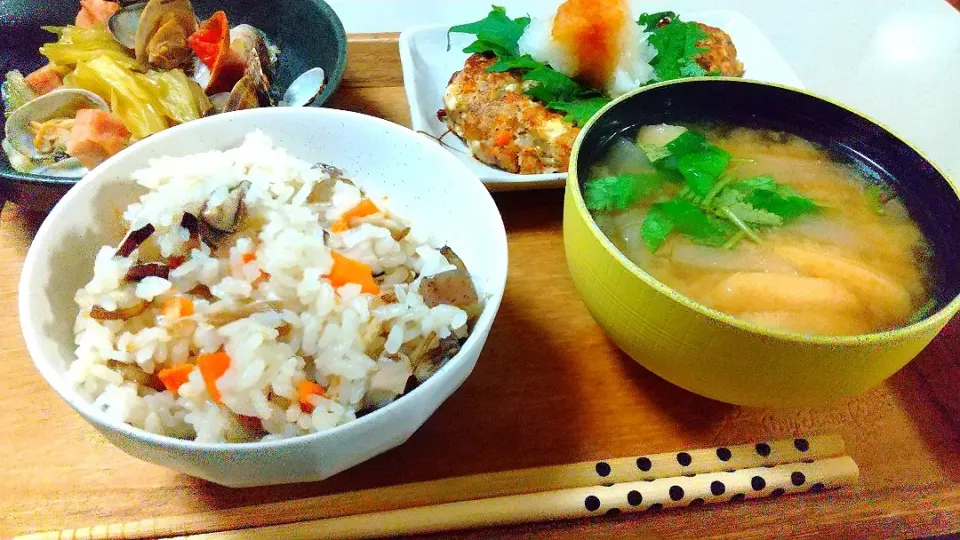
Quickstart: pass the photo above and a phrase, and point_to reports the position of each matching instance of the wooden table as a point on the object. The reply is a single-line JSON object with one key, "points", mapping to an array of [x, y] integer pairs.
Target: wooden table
{"points": [[549, 388]]}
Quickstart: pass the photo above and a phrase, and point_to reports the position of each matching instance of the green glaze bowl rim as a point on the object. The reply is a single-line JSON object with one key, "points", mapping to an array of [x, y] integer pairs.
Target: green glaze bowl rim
{"points": [[939, 318]]}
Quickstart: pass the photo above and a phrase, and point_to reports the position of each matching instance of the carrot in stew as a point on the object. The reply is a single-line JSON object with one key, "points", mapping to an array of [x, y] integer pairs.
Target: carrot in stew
{"points": [[347, 270], [212, 367], [44, 80], [305, 390], [178, 306], [175, 377], [95, 11], [248, 257]]}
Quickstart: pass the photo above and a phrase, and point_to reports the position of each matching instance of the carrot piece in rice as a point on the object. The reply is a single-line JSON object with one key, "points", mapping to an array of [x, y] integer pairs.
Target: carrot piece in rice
{"points": [[178, 306], [212, 367], [347, 270], [174, 377], [363, 209], [306, 390]]}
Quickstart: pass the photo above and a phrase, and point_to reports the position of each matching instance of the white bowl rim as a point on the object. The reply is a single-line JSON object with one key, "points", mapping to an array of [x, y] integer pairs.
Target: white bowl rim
{"points": [[496, 285]]}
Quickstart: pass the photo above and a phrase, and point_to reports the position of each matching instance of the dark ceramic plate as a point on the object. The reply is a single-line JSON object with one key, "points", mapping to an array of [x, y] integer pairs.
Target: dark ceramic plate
{"points": [[308, 33], [875, 151]]}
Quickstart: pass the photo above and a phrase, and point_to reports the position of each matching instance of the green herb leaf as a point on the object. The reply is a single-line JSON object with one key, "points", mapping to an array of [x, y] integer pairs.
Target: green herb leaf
{"points": [[552, 85], [654, 153], [684, 217], [782, 203], [748, 214], [687, 142], [765, 194], [618, 192], [701, 169], [650, 21], [496, 33], [581, 110], [525, 62], [677, 50], [655, 229]]}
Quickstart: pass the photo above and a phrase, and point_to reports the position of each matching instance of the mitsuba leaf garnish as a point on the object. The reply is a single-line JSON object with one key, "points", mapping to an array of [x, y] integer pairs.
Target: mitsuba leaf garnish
{"points": [[684, 217], [714, 209], [581, 110], [497, 33], [614, 193], [677, 48]]}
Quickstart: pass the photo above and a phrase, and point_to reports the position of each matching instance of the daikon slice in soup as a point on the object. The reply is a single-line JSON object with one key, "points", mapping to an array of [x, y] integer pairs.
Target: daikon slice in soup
{"points": [[763, 226]]}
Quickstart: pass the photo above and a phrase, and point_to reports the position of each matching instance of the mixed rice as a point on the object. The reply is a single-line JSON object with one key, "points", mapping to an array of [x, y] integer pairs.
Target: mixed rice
{"points": [[258, 296]]}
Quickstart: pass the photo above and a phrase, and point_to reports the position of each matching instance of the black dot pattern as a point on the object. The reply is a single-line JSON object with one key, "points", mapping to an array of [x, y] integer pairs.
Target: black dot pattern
{"points": [[634, 498], [676, 493], [603, 468], [797, 478], [656, 507], [758, 483], [738, 497], [801, 444], [817, 488], [717, 488], [763, 449], [777, 492], [592, 503], [613, 512], [644, 464], [696, 502], [684, 459], [724, 454]]}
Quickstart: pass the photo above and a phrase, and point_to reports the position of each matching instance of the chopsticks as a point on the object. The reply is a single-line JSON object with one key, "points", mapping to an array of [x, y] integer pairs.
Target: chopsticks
{"points": [[590, 488], [569, 503]]}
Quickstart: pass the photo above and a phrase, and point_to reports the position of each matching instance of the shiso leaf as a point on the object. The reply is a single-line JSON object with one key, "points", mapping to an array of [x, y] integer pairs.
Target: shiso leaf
{"points": [[651, 21], [677, 50], [506, 63], [579, 111], [553, 86], [497, 33]]}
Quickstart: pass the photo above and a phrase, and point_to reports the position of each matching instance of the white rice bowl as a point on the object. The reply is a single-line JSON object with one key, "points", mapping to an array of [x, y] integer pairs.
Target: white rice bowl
{"points": [[310, 329]]}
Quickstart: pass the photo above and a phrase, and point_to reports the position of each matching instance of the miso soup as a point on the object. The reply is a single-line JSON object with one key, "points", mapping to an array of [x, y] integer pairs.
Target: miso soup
{"points": [[763, 226]]}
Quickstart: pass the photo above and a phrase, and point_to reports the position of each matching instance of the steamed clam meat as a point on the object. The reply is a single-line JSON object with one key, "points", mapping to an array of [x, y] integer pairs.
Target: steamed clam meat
{"points": [[36, 129], [69, 129], [157, 31]]}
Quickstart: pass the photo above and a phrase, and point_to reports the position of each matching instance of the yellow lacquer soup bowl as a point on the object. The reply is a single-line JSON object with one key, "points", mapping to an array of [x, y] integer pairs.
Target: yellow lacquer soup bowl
{"points": [[719, 356]]}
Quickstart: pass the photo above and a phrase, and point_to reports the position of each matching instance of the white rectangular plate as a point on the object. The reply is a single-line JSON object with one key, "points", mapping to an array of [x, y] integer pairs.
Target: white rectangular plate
{"points": [[428, 66]]}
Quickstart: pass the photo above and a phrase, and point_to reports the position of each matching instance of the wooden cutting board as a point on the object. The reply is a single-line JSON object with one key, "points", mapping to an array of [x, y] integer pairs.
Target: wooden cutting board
{"points": [[549, 388]]}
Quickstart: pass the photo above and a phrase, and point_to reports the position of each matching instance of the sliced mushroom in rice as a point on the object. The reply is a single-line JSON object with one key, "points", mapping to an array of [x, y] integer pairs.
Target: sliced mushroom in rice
{"points": [[132, 372], [134, 239], [143, 271], [453, 287], [225, 217], [120, 314]]}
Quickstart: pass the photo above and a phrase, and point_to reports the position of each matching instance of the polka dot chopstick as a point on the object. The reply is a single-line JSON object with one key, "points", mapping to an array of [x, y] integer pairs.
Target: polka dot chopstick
{"points": [[611, 500], [646, 483], [585, 488]]}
